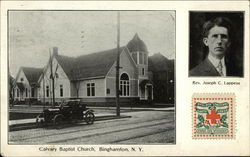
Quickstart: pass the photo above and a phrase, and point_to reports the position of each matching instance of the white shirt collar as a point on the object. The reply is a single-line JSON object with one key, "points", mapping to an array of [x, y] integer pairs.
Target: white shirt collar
{"points": [[215, 62]]}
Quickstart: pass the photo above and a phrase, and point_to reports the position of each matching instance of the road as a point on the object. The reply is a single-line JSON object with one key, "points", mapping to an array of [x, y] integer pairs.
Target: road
{"points": [[144, 127]]}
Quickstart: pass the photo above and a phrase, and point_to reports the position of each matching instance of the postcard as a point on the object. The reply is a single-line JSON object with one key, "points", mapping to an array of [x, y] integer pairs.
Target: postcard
{"points": [[125, 78]]}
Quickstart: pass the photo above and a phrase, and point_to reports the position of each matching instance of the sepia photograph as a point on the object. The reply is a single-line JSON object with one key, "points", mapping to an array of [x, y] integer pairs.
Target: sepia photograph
{"points": [[91, 77], [216, 44]]}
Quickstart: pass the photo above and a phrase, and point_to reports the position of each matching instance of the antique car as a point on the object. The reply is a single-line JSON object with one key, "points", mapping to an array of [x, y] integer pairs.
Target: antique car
{"points": [[70, 111]]}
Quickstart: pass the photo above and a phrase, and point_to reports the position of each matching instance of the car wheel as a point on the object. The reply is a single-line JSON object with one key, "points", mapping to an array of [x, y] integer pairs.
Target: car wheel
{"points": [[38, 121], [58, 120], [89, 118]]}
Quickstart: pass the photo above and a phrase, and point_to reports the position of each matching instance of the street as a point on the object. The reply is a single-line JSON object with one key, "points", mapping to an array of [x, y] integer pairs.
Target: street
{"points": [[144, 127]]}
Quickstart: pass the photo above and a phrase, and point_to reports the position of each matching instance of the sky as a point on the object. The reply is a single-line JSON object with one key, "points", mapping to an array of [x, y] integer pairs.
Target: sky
{"points": [[33, 33]]}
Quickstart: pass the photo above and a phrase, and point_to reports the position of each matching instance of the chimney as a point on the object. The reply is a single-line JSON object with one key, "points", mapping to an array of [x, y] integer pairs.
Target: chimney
{"points": [[55, 51]]}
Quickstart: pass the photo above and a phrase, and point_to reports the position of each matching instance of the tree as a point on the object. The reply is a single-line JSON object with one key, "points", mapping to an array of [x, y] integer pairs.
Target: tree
{"points": [[11, 88], [76, 73]]}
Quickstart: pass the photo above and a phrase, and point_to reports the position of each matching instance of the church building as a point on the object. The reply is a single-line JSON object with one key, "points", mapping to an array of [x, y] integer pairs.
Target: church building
{"points": [[92, 77]]}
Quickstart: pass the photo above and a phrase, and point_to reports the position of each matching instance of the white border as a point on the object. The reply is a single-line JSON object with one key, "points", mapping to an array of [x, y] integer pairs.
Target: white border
{"points": [[185, 145]]}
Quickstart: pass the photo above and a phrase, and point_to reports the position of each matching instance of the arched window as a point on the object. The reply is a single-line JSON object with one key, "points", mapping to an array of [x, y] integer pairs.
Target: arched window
{"points": [[124, 85]]}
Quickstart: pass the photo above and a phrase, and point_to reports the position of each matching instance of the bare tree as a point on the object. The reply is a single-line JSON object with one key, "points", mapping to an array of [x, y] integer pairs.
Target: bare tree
{"points": [[76, 72]]}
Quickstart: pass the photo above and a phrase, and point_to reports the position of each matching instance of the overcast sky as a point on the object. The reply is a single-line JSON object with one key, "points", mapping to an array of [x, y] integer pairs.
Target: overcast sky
{"points": [[32, 33]]}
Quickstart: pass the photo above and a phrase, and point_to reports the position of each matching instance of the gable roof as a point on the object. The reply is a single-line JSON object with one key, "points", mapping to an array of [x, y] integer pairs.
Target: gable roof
{"points": [[32, 74], [67, 64], [96, 64], [158, 63], [88, 66]]}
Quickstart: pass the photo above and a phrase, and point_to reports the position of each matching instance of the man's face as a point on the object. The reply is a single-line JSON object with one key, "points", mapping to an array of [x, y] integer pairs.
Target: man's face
{"points": [[217, 41]]}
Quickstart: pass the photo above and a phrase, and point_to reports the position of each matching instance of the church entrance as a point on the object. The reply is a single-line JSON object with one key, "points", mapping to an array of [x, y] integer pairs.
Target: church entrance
{"points": [[149, 92]]}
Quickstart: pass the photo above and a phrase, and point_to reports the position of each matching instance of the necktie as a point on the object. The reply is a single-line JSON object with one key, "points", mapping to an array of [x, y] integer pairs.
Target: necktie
{"points": [[220, 68]]}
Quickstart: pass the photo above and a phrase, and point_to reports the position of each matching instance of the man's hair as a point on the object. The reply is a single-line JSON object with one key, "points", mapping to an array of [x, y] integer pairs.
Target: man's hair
{"points": [[218, 21]]}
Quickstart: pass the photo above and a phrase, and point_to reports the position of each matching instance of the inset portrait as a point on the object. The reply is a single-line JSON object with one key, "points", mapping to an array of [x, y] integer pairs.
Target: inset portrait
{"points": [[216, 44]]}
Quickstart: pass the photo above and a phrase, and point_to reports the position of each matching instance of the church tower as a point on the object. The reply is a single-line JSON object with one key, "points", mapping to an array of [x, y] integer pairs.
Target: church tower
{"points": [[139, 53]]}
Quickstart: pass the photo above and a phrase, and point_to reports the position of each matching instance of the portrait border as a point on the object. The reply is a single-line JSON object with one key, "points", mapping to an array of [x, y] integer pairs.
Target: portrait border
{"points": [[243, 43]]}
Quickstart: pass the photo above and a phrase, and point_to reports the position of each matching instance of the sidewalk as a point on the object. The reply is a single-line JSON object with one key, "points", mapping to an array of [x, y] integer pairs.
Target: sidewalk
{"points": [[39, 108]]}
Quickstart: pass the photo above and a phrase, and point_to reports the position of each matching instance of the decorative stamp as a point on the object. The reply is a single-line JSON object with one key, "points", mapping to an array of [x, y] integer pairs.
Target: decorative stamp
{"points": [[213, 115]]}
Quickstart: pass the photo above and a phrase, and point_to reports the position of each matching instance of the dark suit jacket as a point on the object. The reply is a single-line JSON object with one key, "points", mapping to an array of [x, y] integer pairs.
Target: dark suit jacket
{"points": [[206, 68]]}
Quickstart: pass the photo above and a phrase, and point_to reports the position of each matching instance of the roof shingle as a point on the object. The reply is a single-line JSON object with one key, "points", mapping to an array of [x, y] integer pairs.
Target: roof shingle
{"points": [[91, 65]]}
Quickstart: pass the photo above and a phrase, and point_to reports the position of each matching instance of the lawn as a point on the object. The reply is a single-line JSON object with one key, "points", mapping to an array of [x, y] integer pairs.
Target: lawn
{"points": [[18, 115]]}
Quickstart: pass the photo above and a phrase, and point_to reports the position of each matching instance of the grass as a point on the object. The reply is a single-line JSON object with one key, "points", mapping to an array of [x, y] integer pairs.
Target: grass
{"points": [[18, 115]]}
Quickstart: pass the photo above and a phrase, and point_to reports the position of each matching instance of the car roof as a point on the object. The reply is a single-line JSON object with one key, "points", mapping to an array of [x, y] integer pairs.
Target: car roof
{"points": [[73, 101]]}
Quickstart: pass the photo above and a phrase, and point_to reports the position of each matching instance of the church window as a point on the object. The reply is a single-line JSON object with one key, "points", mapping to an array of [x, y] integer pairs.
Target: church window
{"points": [[143, 71], [90, 89], [140, 58], [145, 59], [47, 91], [124, 85], [61, 90], [108, 91]]}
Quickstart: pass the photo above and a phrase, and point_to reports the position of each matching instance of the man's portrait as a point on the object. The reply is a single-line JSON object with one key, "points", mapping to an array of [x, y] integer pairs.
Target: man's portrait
{"points": [[216, 44]]}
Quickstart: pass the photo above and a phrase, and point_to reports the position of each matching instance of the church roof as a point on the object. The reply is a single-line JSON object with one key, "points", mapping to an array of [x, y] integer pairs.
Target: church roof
{"points": [[67, 64], [96, 64], [88, 66], [32, 74], [136, 44], [158, 63]]}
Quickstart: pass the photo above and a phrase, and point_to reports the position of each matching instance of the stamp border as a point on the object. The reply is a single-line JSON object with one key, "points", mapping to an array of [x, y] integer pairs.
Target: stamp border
{"points": [[219, 96]]}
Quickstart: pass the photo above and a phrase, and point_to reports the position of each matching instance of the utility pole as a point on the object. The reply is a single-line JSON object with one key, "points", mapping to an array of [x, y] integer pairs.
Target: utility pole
{"points": [[53, 81], [118, 66], [43, 90]]}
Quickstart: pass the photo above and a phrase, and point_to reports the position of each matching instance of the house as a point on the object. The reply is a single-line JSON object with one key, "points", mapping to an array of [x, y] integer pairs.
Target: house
{"points": [[26, 84], [163, 78]]}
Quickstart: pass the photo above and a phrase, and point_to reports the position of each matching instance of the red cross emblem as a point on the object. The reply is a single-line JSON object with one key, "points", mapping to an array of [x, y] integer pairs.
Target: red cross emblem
{"points": [[213, 116]]}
